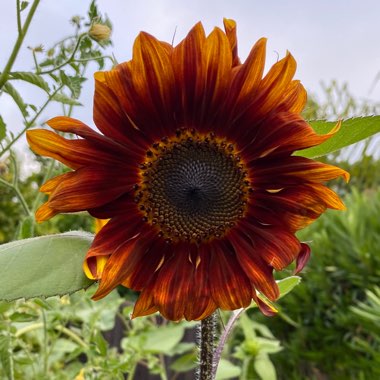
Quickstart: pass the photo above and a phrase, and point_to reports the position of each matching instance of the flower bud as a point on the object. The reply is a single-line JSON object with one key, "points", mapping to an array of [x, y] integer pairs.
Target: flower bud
{"points": [[100, 32]]}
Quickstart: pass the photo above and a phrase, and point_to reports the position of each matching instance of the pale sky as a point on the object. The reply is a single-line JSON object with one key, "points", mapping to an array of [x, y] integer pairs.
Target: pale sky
{"points": [[330, 39]]}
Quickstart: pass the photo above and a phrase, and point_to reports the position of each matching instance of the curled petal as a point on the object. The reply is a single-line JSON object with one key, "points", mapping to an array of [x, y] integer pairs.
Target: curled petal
{"points": [[94, 266], [302, 258]]}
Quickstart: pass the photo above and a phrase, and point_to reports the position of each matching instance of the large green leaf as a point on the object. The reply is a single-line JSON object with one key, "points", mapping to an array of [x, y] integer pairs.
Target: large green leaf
{"points": [[43, 266], [351, 131]]}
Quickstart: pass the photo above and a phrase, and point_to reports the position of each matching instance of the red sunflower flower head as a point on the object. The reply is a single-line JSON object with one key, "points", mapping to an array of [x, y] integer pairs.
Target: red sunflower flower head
{"points": [[194, 167]]}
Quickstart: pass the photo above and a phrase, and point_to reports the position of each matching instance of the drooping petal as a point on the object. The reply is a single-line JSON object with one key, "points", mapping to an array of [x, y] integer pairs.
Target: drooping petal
{"points": [[302, 258]]}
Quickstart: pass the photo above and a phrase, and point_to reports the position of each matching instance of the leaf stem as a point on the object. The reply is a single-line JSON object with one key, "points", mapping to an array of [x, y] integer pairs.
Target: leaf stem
{"points": [[207, 343], [20, 39]]}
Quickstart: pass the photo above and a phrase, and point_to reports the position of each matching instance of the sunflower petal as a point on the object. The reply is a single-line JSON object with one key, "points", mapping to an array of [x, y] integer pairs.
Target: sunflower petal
{"points": [[230, 287], [90, 187]]}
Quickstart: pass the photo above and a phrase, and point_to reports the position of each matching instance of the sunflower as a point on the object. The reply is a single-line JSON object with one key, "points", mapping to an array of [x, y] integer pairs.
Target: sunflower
{"points": [[194, 169]]}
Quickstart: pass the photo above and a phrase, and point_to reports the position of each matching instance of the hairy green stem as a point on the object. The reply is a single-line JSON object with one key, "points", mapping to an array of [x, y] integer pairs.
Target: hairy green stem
{"points": [[222, 341], [207, 346], [19, 41]]}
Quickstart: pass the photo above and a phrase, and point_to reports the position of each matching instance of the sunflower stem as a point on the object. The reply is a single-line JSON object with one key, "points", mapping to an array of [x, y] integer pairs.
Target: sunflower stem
{"points": [[207, 346]]}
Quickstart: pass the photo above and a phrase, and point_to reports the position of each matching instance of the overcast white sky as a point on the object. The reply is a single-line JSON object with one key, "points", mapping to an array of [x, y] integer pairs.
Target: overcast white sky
{"points": [[330, 39]]}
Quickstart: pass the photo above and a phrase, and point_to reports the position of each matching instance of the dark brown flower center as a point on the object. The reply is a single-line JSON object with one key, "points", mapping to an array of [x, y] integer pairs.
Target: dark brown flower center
{"points": [[193, 187]]}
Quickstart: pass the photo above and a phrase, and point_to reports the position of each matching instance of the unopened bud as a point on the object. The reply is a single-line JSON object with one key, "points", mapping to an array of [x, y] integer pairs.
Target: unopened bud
{"points": [[100, 32]]}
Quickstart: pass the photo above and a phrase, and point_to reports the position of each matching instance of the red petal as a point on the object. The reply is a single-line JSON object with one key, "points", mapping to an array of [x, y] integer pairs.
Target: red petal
{"points": [[230, 29], [200, 303], [277, 173], [73, 153], [90, 187], [153, 81], [294, 207], [145, 303], [116, 266], [264, 307], [171, 290], [115, 233], [275, 245], [230, 287], [190, 72], [259, 272], [302, 258]]}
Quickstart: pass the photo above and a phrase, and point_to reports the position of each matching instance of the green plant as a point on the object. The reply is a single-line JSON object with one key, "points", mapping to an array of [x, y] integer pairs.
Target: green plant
{"points": [[318, 326]]}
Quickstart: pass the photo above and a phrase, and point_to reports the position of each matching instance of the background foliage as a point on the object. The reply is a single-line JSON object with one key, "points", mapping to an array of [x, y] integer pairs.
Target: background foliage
{"points": [[327, 328]]}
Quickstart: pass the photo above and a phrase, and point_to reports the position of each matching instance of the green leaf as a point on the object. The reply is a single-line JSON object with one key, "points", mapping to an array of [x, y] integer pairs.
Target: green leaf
{"points": [[29, 77], [351, 131], [6, 358], [164, 339], [26, 228], [23, 317], [74, 83], [23, 5], [287, 284], [3, 128], [226, 370], [43, 266], [265, 368], [62, 98], [185, 362], [10, 90]]}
